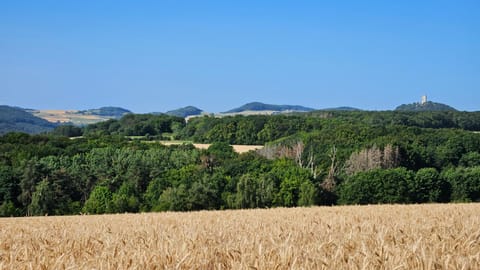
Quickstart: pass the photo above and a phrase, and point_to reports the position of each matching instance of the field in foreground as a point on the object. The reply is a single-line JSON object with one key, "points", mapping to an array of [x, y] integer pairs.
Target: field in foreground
{"points": [[351, 237]]}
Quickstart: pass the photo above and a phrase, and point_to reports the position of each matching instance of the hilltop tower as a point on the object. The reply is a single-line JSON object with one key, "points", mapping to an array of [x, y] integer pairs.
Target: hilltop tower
{"points": [[424, 99]]}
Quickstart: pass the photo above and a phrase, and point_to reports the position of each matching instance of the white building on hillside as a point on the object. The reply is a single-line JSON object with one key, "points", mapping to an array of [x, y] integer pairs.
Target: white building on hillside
{"points": [[424, 99]]}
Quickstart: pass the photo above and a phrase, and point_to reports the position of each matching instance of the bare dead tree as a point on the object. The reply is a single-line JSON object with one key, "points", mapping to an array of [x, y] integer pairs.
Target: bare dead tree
{"points": [[311, 165], [391, 156], [373, 158], [295, 151], [329, 183], [269, 151], [298, 149]]}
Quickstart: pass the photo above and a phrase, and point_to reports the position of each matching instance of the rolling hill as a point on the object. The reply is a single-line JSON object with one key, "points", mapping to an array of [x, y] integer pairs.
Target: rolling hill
{"points": [[185, 112], [258, 106], [13, 119], [114, 112], [80, 118], [422, 107], [343, 108]]}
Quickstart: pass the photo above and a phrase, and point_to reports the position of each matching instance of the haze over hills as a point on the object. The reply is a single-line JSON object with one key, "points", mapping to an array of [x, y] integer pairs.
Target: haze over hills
{"points": [[36, 121], [251, 109]]}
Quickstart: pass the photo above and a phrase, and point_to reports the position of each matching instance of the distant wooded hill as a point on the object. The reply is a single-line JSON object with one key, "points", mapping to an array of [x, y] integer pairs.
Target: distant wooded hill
{"points": [[185, 112], [424, 107], [258, 106], [114, 112], [343, 108], [13, 119]]}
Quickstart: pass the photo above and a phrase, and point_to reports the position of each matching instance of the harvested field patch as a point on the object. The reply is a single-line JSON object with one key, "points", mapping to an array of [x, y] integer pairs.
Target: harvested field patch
{"points": [[238, 148], [68, 116]]}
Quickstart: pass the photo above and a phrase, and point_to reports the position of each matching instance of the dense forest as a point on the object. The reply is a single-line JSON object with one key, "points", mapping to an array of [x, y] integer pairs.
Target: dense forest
{"points": [[316, 158]]}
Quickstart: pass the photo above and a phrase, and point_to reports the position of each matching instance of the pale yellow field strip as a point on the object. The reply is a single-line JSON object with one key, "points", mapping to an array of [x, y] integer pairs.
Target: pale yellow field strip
{"points": [[238, 148]]}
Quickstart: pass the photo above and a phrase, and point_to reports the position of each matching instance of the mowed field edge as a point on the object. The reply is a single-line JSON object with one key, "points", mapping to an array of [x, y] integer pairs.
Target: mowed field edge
{"points": [[236, 147], [432, 236]]}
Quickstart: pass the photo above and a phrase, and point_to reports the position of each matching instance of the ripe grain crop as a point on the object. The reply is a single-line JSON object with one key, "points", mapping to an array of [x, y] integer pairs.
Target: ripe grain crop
{"points": [[348, 237]]}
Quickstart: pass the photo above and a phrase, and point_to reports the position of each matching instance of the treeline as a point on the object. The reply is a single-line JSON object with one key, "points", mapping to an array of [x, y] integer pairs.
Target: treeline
{"points": [[154, 126], [308, 160], [137, 125], [426, 119], [264, 129], [261, 129], [399, 185]]}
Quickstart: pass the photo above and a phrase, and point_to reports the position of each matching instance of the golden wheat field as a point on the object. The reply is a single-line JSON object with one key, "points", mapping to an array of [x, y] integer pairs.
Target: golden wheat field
{"points": [[350, 237]]}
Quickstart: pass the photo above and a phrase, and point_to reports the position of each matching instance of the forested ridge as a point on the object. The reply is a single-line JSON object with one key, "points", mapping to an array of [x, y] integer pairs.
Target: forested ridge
{"points": [[17, 119], [316, 158], [258, 106]]}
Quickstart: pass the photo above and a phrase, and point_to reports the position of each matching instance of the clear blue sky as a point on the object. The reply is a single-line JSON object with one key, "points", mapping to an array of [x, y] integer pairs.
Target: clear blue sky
{"points": [[160, 55]]}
